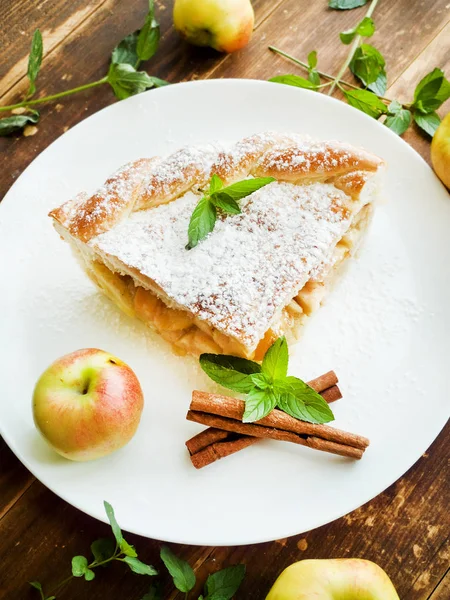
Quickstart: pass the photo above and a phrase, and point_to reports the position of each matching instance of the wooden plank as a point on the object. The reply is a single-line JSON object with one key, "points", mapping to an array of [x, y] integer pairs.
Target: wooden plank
{"points": [[442, 592], [397, 530], [436, 54], [15, 479], [84, 56], [301, 26]]}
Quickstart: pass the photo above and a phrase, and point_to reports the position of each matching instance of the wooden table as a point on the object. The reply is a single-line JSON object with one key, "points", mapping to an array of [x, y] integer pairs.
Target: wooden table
{"points": [[406, 528]]}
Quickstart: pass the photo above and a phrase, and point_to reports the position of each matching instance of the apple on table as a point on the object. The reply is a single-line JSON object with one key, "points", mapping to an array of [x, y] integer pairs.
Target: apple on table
{"points": [[87, 404], [333, 579], [226, 25]]}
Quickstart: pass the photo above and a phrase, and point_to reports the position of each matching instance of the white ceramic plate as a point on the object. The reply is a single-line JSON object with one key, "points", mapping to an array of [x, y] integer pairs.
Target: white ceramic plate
{"points": [[385, 330]]}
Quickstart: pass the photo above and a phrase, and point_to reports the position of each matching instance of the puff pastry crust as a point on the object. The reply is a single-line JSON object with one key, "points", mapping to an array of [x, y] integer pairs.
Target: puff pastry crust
{"points": [[259, 274]]}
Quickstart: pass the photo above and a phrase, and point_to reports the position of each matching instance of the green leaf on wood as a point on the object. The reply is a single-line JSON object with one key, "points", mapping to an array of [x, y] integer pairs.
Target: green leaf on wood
{"points": [[34, 61]]}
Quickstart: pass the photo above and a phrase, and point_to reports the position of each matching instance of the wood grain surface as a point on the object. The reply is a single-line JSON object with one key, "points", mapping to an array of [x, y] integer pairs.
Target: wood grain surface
{"points": [[406, 528]]}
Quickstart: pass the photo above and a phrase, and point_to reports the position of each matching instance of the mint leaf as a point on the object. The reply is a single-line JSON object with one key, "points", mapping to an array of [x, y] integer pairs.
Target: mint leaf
{"points": [[148, 39], [225, 583], [312, 59], [346, 4], [126, 52], [379, 85], [428, 122], [138, 566], [365, 28], [37, 586], [127, 549], [258, 404], [398, 119], [114, 525], [202, 222], [276, 359], [215, 184], [294, 80], [102, 549], [314, 77], [230, 371], [15, 123], [227, 204], [244, 188], [34, 61], [126, 81], [80, 568], [300, 401], [182, 574], [261, 381], [366, 102], [367, 64], [431, 91]]}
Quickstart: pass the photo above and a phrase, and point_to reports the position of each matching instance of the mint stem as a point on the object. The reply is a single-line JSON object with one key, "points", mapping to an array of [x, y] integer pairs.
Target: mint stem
{"points": [[302, 64], [80, 88], [352, 51]]}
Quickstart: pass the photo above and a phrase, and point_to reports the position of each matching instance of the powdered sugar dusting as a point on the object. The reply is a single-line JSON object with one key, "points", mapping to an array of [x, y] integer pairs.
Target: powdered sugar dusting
{"points": [[183, 164], [249, 267]]}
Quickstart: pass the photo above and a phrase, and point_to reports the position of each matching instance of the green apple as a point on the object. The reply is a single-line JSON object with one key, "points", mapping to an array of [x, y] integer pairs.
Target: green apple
{"points": [[226, 25], [333, 579], [440, 151], [87, 404]]}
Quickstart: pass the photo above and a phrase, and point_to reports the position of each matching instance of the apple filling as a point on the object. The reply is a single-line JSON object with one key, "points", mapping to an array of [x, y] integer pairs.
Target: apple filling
{"points": [[190, 335]]}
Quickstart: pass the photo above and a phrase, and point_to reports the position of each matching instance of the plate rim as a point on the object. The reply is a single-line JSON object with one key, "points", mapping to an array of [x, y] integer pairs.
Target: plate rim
{"points": [[98, 513]]}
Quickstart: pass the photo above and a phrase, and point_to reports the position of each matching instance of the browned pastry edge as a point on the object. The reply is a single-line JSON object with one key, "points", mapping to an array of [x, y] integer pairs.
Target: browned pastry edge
{"points": [[146, 182]]}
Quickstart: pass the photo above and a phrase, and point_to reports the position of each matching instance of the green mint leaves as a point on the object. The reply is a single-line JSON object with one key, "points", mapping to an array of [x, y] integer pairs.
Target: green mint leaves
{"points": [[224, 584], [399, 118], [367, 102], [295, 80], [366, 28], [368, 65], [223, 198], [231, 372], [37, 586], [267, 385], [313, 75], [148, 38], [182, 573], [431, 92], [17, 122], [219, 586], [123, 75], [80, 568], [141, 44], [126, 81], [34, 61], [346, 4]]}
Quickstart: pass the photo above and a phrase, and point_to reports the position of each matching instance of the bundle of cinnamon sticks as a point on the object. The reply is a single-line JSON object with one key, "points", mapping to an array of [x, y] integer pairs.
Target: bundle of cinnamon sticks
{"points": [[227, 434]]}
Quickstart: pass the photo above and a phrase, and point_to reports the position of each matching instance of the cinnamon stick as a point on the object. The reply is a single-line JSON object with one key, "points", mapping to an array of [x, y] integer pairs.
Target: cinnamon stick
{"points": [[217, 450], [233, 408], [259, 431], [331, 394], [211, 444]]}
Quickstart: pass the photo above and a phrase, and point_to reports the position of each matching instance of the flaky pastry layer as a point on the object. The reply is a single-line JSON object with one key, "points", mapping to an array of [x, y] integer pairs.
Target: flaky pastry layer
{"points": [[259, 273]]}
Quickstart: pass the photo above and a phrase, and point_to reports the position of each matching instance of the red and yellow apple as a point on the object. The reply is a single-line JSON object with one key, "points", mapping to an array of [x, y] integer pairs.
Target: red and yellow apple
{"points": [[440, 151], [87, 404], [333, 579], [225, 25]]}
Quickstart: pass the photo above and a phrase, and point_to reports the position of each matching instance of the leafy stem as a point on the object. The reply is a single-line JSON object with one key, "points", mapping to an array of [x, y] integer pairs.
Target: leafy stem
{"points": [[303, 64], [52, 97], [352, 50]]}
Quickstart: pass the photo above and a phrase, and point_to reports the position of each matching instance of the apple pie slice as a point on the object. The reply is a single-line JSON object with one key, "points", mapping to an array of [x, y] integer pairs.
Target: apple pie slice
{"points": [[260, 273]]}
